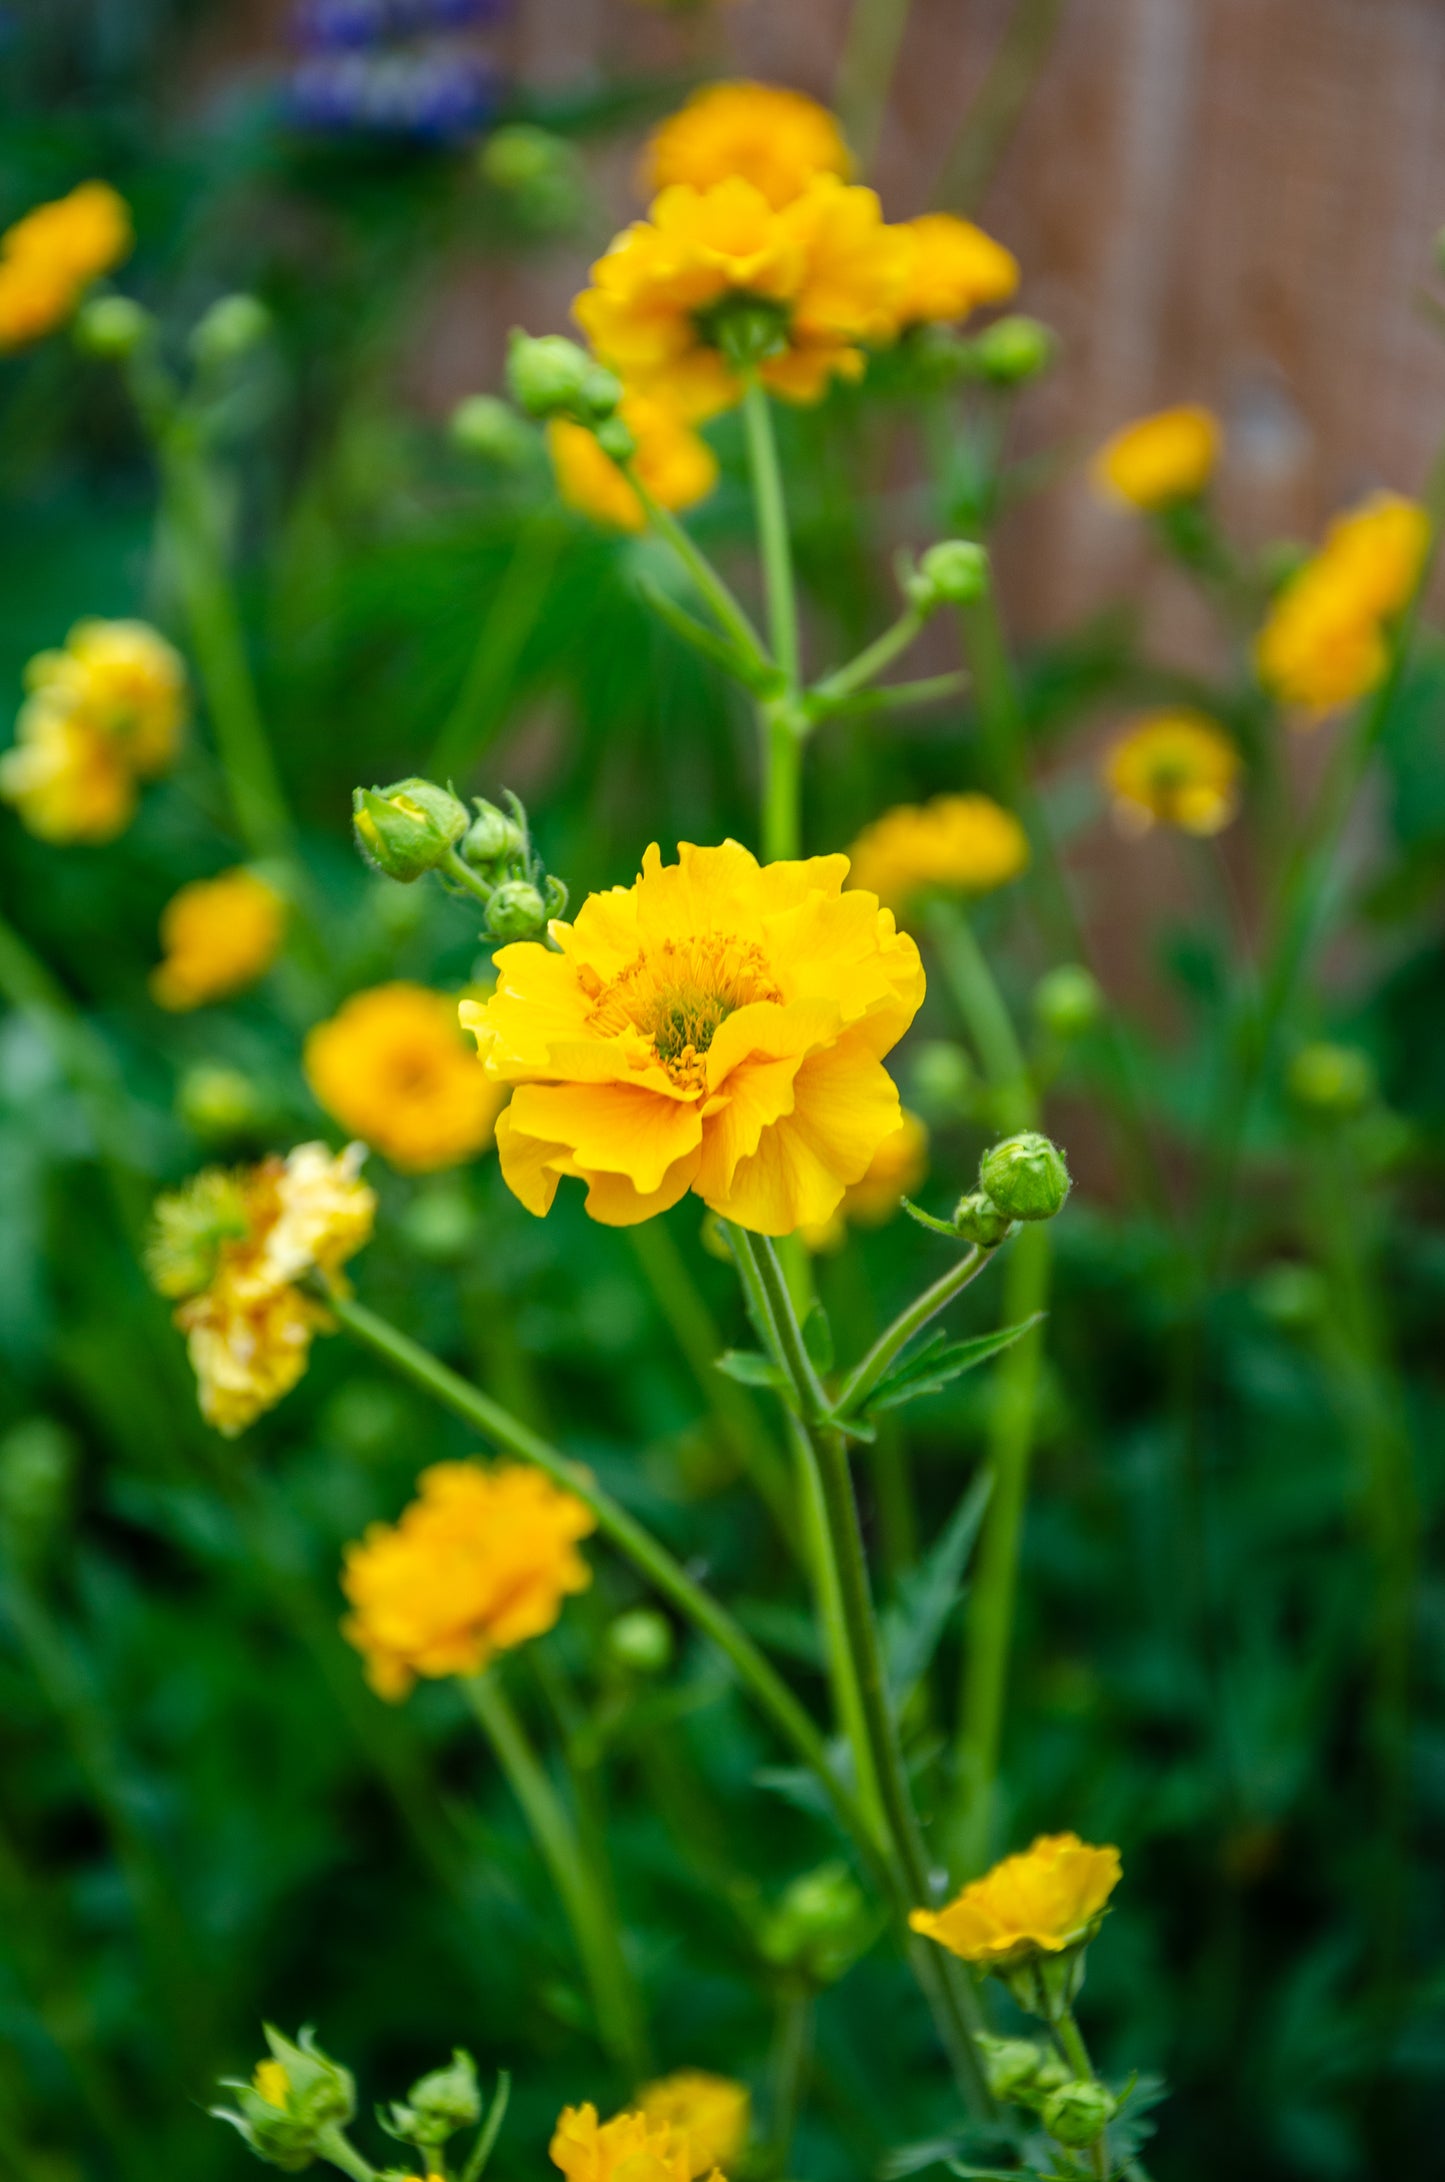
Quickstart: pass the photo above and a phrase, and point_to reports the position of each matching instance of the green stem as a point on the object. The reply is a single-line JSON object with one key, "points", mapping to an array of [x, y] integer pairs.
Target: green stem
{"points": [[835, 688], [782, 784], [985, 1015], [930, 689], [491, 2129], [1076, 2053], [615, 2002], [338, 2151], [788, 2070], [506, 626], [865, 1376], [461, 874], [865, 73], [766, 1687], [729, 614], [998, 104], [774, 545]]}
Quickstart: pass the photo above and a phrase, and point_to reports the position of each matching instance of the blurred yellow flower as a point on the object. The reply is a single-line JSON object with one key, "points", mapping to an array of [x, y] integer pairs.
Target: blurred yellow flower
{"points": [[1323, 643], [895, 1172], [106, 710], [718, 1027], [1160, 459], [711, 2112], [774, 138], [1040, 1902], [219, 936], [270, 2082], [626, 2149], [392, 1067], [479, 1562], [50, 257], [963, 844], [1173, 769], [66, 778], [233, 1246], [951, 269], [676, 466], [820, 275]]}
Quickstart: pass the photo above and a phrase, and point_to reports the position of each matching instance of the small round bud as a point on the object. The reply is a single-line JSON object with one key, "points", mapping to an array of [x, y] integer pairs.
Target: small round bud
{"points": [[942, 1080], [1068, 1001], [492, 837], [954, 572], [111, 326], [1017, 2066], [520, 154], [218, 1103], [1025, 1176], [1013, 350], [641, 1641], [444, 2101], [1078, 2112], [617, 439], [230, 329], [487, 426], [1292, 1297], [551, 376], [978, 1220], [516, 912], [405, 830], [1334, 1083], [821, 1926]]}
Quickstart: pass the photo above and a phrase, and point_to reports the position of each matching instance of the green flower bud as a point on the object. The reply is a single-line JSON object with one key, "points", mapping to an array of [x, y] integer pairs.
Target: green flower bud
{"points": [[978, 1220], [492, 837], [520, 154], [295, 2100], [1019, 2067], [1013, 350], [821, 1926], [219, 1103], [1025, 1176], [617, 439], [440, 2103], [516, 911], [942, 1080], [748, 330], [1068, 1001], [552, 377], [954, 572], [1333, 1083], [1078, 2112], [230, 329], [38, 1460], [487, 426], [641, 1641], [406, 830], [111, 326]]}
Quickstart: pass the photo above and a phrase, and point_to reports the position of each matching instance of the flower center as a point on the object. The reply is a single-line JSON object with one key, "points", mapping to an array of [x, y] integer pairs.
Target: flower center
{"points": [[747, 328], [679, 994]]}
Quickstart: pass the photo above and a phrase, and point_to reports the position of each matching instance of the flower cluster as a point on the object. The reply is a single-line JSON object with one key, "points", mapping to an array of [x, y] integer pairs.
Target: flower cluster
{"points": [[103, 714], [957, 844], [719, 1027], [1159, 460], [231, 1248], [219, 935], [50, 257], [479, 1562], [1324, 643], [1173, 769], [392, 1068], [629, 2148]]}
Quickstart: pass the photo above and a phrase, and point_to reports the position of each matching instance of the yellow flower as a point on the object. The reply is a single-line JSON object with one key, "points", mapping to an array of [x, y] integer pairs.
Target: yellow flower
{"points": [[896, 1170], [125, 678], [823, 270], [965, 844], [219, 936], [50, 257], [270, 2082], [711, 2112], [717, 1027], [952, 268], [676, 466], [391, 1067], [232, 1247], [66, 777], [1041, 1902], [479, 1562], [1161, 459], [629, 2148], [1176, 768], [775, 139], [1323, 643]]}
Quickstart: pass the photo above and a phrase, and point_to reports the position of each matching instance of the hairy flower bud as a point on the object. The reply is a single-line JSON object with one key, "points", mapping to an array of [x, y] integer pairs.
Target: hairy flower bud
{"points": [[978, 1220], [552, 377], [1013, 350], [1078, 2112], [230, 329], [295, 2100], [1332, 1082], [516, 911], [487, 426], [406, 830], [1067, 1000], [1025, 1176], [492, 838], [954, 572], [641, 1641], [1019, 2068], [440, 2103], [112, 326], [821, 1926]]}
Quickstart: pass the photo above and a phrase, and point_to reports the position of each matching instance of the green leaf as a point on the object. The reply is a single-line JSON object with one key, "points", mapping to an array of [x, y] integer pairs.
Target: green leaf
{"points": [[928, 1594], [818, 1337], [929, 1369], [750, 1369]]}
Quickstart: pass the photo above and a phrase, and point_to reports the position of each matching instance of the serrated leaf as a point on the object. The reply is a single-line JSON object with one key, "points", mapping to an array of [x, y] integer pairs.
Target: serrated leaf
{"points": [[928, 1594], [818, 1337], [939, 1362], [749, 1368]]}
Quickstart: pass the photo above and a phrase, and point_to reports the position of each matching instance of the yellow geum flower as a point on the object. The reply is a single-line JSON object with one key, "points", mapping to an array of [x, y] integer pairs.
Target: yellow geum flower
{"points": [[1041, 1902], [479, 1562], [1160, 459], [33, 301], [822, 274], [392, 1067], [629, 2148], [125, 678], [232, 1247], [718, 1027], [957, 844], [674, 463], [774, 138], [895, 1172], [66, 777], [219, 935], [1323, 643], [711, 2112], [951, 269], [1173, 769], [50, 256]]}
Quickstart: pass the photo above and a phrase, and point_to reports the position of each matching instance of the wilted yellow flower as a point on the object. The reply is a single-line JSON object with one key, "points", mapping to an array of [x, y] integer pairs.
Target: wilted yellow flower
{"points": [[479, 1562], [676, 466], [1174, 769], [270, 2082], [66, 777], [233, 1246], [125, 678], [392, 1066], [711, 2112], [896, 1170], [219, 936], [1323, 643], [961, 844], [1040, 1902], [50, 257], [775, 139], [951, 269], [718, 1027], [628, 2148], [822, 273], [1167, 457]]}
